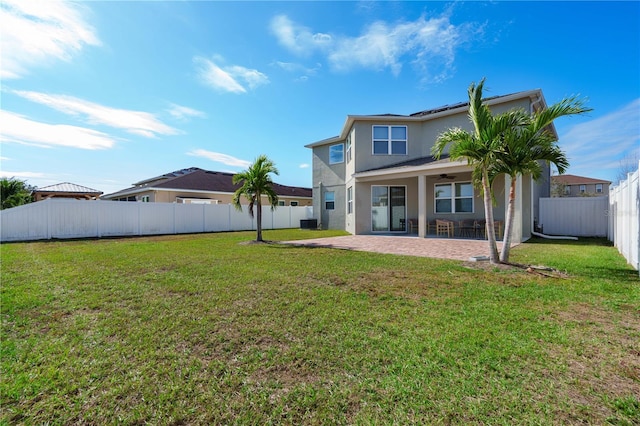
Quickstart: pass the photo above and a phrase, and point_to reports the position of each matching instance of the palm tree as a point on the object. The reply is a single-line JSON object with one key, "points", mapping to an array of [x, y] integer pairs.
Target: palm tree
{"points": [[14, 192], [479, 149], [256, 182], [525, 148]]}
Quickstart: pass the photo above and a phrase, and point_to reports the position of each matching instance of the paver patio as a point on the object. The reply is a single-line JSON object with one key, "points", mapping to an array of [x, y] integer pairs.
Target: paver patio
{"points": [[439, 248]]}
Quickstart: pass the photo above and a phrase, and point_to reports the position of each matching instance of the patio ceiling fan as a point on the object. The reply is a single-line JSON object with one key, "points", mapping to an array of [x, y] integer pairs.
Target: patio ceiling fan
{"points": [[443, 176]]}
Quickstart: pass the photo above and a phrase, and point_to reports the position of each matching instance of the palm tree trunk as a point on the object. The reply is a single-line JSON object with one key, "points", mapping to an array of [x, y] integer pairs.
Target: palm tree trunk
{"points": [[508, 225], [488, 214], [259, 218]]}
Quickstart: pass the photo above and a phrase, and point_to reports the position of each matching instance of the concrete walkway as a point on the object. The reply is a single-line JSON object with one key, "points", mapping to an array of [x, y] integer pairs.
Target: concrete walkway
{"points": [[439, 248]]}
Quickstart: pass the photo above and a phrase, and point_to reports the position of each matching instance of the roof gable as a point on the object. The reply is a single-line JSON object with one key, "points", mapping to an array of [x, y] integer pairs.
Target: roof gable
{"points": [[432, 114]]}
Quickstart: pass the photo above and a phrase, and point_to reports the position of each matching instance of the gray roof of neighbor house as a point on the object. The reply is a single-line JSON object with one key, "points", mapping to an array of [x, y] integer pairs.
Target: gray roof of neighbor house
{"points": [[576, 180], [196, 179], [71, 188], [430, 114]]}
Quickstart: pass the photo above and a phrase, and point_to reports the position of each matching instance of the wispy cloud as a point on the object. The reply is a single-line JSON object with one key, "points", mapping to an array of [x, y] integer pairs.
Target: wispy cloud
{"points": [[18, 129], [180, 112], [429, 45], [599, 144], [298, 38], [302, 71], [38, 32], [304, 166], [234, 78], [20, 175], [136, 122], [219, 158]]}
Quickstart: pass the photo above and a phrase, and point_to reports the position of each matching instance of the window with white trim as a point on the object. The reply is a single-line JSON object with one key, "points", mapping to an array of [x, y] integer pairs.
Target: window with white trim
{"points": [[583, 189], [281, 203], [348, 148], [350, 200], [329, 200], [389, 140], [294, 203], [145, 198], [454, 197], [599, 188], [567, 189], [336, 153]]}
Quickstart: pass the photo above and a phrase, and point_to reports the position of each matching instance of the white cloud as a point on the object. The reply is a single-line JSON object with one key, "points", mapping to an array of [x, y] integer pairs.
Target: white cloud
{"points": [[234, 79], [219, 158], [20, 175], [428, 44], [37, 32], [18, 129], [304, 166], [600, 143], [297, 38], [136, 122], [182, 112]]}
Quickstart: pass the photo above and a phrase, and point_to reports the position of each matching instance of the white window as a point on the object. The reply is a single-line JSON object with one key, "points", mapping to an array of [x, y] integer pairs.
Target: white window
{"points": [[567, 189], [336, 153], [454, 198], [389, 140], [583, 188], [599, 188], [329, 200], [281, 203], [145, 198], [293, 203], [348, 148], [350, 200]]}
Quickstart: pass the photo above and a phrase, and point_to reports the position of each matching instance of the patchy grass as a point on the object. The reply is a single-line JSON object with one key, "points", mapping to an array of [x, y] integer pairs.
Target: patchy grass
{"points": [[203, 329]]}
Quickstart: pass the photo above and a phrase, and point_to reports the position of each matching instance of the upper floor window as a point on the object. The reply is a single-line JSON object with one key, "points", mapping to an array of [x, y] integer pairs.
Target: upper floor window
{"points": [[348, 148], [336, 153], [329, 200], [454, 198], [389, 140], [599, 188], [583, 189]]}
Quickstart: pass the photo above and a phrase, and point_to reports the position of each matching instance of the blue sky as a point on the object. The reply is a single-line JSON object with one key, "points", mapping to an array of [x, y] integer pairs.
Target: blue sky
{"points": [[104, 94]]}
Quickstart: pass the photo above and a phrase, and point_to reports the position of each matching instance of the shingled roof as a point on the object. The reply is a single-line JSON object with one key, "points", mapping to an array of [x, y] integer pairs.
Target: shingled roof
{"points": [[196, 179], [576, 180]]}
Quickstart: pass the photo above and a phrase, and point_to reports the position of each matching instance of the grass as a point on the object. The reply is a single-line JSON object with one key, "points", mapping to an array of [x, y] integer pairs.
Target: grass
{"points": [[203, 329]]}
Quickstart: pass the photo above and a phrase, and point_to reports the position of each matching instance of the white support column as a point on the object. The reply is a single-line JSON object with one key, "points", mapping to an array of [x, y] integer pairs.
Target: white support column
{"points": [[422, 206]]}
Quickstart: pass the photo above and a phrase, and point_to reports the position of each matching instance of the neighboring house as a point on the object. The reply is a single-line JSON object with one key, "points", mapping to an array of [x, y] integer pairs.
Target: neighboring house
{"points": [[66, 190], [578, 186], [378, 175], [198, 186]]}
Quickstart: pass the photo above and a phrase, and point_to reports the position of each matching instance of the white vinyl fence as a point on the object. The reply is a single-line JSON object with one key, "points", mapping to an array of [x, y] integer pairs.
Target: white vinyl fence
{"points": [[575, 216], [624, 223], [59, 218]]}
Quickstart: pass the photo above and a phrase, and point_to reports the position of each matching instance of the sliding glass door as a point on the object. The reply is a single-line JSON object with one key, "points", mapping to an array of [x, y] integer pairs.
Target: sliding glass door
{"points": [[388, 208]]}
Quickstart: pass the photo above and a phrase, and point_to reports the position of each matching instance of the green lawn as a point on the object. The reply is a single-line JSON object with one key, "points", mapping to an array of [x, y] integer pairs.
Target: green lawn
{"points": [[205, 329]]}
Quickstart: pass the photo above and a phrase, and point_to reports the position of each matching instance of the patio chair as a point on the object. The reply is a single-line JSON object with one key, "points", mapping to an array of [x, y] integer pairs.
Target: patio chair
{"points": [[467, 228], [431, 226], [444, 227]]}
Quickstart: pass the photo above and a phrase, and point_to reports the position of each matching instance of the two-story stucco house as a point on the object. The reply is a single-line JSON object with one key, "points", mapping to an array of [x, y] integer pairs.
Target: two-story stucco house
{"points": [[378, 174], [579, 186]]}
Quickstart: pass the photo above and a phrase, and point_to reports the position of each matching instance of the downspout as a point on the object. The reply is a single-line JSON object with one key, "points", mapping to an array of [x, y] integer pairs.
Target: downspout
{"points": [[320, 205]]}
